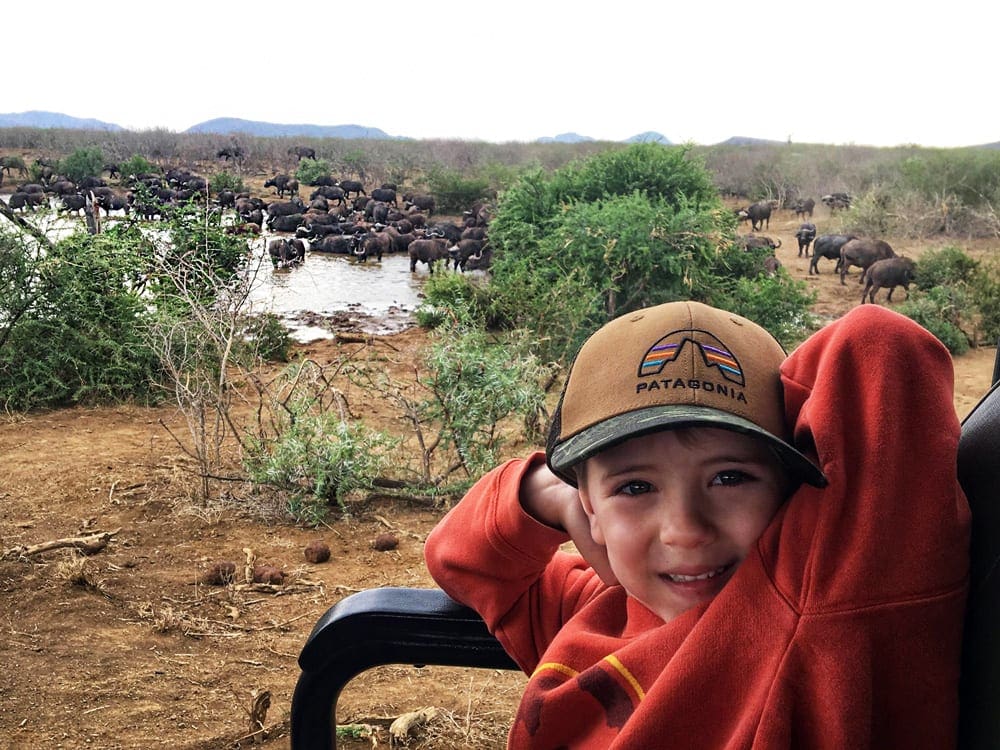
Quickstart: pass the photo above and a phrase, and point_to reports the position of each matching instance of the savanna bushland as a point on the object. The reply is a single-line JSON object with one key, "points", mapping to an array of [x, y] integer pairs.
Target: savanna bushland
{"points": [[171, 453]]}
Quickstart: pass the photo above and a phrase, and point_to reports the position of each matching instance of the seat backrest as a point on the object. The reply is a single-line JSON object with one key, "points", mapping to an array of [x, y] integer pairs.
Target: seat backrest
{"points": [[979, 475]]}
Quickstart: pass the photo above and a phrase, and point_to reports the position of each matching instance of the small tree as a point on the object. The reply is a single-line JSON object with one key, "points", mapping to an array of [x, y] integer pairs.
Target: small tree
{"points": [[84, 162], [310, 170]]}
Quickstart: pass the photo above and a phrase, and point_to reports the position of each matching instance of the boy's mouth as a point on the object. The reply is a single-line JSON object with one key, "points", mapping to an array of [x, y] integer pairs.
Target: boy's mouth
{"points": [[681, 578]]}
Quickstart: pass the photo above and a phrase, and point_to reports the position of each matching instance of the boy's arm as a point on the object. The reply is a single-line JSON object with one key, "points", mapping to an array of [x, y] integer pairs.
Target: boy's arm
{"points": [[491, 555], [872, 394]]}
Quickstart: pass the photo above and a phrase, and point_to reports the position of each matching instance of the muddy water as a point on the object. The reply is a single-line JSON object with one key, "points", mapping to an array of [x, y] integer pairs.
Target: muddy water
{"points": [[329, 291]]}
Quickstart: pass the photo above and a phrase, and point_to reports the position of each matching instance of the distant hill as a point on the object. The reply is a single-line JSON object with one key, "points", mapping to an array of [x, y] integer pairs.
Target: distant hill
{"points": [[742, 140], [564, 138], [37, 119], [226, 125], [650, 136]]}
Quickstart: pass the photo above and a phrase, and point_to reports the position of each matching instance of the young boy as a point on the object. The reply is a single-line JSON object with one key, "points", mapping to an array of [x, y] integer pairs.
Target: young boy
{"points": [[772, 552]]}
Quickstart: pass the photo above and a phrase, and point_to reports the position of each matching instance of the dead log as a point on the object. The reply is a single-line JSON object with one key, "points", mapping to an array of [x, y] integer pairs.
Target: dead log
{"points": [[88, 545]]}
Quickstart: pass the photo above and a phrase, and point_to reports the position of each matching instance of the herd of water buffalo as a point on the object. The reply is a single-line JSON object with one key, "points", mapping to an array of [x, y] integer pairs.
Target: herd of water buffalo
{"points": [[880, 267], [340, 215]]}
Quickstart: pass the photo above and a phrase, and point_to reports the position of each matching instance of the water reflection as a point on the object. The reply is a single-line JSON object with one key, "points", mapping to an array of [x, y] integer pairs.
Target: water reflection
{"points": [[379, 297]]}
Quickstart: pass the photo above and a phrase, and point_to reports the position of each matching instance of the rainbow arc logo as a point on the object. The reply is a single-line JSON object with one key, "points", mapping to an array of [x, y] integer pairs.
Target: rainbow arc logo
{"points": [[712, 351]]}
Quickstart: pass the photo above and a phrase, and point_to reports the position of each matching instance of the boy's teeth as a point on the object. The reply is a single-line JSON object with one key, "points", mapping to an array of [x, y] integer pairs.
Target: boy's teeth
{"points": [[679, 578]]}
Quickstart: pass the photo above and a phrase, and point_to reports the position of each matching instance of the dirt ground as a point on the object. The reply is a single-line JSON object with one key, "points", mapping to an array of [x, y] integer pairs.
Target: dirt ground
{"points": [[126, 648]]}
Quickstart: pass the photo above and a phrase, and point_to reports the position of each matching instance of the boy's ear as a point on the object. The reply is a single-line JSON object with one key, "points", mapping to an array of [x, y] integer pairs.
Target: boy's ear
{"points": [[588, 508]]}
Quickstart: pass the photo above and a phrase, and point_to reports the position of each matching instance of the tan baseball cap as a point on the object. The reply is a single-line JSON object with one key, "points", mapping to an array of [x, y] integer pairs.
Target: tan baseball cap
{"points": [[679, 364]]}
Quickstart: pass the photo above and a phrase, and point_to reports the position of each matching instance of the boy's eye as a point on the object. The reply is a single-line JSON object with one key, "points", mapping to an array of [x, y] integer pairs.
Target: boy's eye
{"points": [[635, 487], [730, 478]]}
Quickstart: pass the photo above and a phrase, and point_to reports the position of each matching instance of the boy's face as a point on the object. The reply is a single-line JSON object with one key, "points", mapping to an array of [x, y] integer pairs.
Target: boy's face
{"points": [[678, 510]]}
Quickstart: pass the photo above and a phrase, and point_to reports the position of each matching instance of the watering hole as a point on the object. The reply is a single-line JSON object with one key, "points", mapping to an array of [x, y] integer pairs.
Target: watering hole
{"points": [[325, 294], [330, 292]]}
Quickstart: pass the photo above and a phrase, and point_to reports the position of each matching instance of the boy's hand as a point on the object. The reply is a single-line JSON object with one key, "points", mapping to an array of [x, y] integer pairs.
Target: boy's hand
{"points": [[551, 501]]}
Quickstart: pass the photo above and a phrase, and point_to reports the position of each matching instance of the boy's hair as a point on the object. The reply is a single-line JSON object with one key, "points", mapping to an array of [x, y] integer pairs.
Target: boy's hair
{"points": [[680, 364]]}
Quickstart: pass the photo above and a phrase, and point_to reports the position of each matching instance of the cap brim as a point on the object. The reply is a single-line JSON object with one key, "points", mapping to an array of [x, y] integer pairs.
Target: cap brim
{"points": [[618, 429]]}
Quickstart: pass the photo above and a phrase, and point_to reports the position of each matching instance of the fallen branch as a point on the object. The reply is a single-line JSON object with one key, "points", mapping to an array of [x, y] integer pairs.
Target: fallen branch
{"points": [[88, 545]]}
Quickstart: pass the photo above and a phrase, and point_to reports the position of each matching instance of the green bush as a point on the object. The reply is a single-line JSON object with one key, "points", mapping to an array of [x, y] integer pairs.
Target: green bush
{"points": [[310, 170], [270, 337], [939, 311], [870, 214], [318, 459], [626, 229], [986, 293], [946, 266], [476, 383], [454, 297], [136, 165], [226, 181], [84, 162], [454, 193], [72, 323], [967, 177]]}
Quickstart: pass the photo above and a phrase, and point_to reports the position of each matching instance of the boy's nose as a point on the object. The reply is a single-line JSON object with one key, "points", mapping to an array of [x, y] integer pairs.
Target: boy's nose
{"points": [[684, 525]]}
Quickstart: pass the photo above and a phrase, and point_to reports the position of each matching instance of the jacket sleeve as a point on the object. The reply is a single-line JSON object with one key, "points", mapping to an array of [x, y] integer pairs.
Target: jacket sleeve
{"points": [[489, 554], [872, 396]]}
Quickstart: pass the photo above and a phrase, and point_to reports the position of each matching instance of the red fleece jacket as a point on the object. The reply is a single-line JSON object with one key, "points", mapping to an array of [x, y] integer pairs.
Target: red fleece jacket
{"points": [[841, 629]]}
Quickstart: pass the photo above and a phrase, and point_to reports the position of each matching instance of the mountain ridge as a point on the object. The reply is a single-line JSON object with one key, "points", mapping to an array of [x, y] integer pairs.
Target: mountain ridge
{"points": [[232, 125]]}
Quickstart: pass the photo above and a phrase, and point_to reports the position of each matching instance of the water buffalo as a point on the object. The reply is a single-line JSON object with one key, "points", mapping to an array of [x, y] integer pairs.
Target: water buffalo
{"points": [[803, 208], [427, 251], [229, 152], [756, 241], [302, 152], [352, 186], [862, 252], [477, 216], [759, 214], [889, 273], [372, 244], [386, 195], [805, 235], [837, 200], [474, 233], [448, 230], [73, 203], [226, 199], [400, 241], [284, 208], [282, 184], [828, 246], [341, 244], [112, 202], [422, 202], [62, 187], [464, 251], [285, 252], [285, 223], [330, 192], [10, 163], [482, 261]]}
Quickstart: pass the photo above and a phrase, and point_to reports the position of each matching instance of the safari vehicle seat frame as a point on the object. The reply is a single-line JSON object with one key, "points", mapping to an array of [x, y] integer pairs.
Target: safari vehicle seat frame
{"points": [[424, 626]]}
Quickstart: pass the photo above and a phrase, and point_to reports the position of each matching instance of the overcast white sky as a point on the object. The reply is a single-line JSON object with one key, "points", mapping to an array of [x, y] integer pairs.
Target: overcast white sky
{"points": [[874, 72]]}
